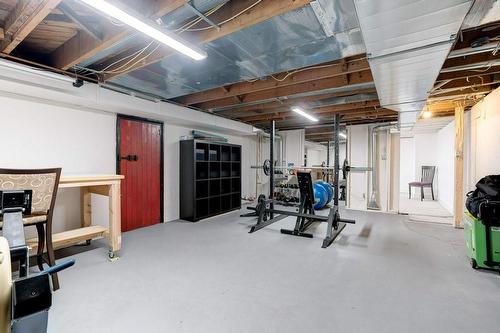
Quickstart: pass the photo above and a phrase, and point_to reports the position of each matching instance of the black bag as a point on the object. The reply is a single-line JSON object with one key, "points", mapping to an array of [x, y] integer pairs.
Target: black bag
{"points": [[488, 188]]}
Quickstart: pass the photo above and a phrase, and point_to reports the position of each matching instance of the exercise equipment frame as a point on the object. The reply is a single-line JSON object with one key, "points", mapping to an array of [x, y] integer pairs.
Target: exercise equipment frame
{"points": [[306, 215]]}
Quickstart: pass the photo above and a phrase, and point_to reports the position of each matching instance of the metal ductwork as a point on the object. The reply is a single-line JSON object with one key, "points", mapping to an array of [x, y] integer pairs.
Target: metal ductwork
{"points": [[407, 42]]}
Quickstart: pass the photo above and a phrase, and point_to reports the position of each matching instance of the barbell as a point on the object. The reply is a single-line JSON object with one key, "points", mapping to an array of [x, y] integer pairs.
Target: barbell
{"points": [[346, 168]]}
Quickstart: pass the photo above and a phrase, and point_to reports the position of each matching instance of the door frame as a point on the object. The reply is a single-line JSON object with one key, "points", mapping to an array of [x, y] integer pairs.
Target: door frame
{"points": [[162, 170]]}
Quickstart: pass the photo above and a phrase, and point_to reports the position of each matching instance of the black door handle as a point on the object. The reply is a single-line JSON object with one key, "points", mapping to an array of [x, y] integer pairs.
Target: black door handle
{"points": [[129, 158]]}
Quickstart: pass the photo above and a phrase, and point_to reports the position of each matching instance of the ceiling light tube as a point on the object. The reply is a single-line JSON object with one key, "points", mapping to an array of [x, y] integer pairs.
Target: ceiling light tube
{"points": [[163, 37], [342, 135], [299, 110]]}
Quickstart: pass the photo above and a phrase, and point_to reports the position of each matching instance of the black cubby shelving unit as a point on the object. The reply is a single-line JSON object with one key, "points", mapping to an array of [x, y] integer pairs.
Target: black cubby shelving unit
{"points": [[210, 179]]}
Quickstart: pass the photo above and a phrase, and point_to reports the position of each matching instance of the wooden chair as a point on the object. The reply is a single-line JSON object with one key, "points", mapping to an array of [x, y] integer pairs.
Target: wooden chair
{"points": [[426, 180], [44, 184]]}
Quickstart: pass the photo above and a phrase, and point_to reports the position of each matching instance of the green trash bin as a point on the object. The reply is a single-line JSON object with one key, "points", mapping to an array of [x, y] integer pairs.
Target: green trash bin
{"points": [[482, 237]]}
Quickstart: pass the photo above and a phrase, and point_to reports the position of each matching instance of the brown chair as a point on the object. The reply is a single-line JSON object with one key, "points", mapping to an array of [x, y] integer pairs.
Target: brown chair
{"points": [[44, 184], [426, 180]]}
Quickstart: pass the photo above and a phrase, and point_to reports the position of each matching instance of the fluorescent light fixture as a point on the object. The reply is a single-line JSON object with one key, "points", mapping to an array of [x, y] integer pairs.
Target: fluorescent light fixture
{"points": [[168, 39], [427, 114], [299, 110], [342, 135]]}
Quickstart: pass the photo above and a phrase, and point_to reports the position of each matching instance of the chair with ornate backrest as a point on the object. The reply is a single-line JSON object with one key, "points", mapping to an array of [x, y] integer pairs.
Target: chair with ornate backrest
{"points": [[44, 184], [426, 180]]}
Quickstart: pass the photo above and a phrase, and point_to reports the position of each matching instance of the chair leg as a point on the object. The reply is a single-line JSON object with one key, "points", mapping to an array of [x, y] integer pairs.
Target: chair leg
{"points": [[51, 256], [409, 191], [422, 193], [41, 245], [432, 192]]}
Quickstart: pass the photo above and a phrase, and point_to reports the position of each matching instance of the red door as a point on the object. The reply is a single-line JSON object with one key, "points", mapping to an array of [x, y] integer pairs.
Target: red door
{"points": [[140, 162]]}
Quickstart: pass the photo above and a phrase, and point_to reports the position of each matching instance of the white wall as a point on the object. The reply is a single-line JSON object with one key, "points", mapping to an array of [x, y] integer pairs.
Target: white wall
{"points": [[293, 146], [36, 135], [45, 122], [445, 161], [485, 139]]}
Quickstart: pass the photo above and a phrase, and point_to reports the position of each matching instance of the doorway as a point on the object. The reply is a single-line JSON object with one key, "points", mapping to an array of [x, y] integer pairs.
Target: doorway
{"points": [[140, 160]]}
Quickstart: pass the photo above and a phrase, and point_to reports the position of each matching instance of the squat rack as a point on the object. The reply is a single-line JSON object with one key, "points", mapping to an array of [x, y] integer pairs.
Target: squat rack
{"points": [[306, 214]]}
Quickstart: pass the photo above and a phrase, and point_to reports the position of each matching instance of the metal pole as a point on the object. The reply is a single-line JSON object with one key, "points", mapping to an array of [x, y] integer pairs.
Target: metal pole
{"points": [[336, 137], [271, 169], [328, 160]]}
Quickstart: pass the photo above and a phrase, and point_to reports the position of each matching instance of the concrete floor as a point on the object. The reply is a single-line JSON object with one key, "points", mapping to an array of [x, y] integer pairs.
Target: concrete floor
{"points": [[383, 274]]}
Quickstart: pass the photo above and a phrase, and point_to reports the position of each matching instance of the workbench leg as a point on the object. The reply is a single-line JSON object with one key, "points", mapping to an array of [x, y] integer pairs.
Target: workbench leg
{"points": [[86, 204], [86, 209], [115, 237]]}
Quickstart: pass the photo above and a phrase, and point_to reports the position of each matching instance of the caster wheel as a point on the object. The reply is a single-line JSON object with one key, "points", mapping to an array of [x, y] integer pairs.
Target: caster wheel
{"points": [[112, 256], [473, 263], [88, 241]]}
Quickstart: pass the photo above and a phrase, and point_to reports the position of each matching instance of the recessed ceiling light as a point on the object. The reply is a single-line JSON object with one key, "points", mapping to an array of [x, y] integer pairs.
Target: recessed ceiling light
{"points": [[299, 110], [427, 114], [166, 38]]}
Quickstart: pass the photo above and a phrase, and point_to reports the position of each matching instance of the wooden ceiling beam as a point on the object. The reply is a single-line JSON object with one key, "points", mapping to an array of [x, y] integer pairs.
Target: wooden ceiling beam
{"points": [[470, 59], [2, 34], [83, 46], [255, 14], [322, 84], [308, 74], [24, 18], [466, 74], [293, 101]]}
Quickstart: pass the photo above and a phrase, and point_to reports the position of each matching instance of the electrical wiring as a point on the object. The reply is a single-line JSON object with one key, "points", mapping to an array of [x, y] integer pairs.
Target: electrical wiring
{"points": [[186, 27], [229, 19]]}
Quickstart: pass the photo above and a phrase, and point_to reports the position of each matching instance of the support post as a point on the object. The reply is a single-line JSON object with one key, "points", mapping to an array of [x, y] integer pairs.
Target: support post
{"points": [[271, 169], [336, 137], [459, 163], [328, 160]]}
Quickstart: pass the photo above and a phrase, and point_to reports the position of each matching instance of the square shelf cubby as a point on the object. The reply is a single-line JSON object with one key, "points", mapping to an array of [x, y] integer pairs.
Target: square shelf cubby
{"points": [[225, 187], [201, 170], [236, 154], [201, 151], [214, 169], [225, 153], [235, 169], [214, 187], [201, 189], [214, 205], [214, 153], [201, 208]]}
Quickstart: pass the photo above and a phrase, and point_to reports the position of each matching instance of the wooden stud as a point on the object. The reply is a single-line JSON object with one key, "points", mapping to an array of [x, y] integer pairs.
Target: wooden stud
{"points": [[459, 163]]}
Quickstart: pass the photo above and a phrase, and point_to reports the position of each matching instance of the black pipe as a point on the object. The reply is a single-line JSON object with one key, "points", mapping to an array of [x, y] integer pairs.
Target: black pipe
{"points": [[271, 169], [328, 160], [336, 137]]}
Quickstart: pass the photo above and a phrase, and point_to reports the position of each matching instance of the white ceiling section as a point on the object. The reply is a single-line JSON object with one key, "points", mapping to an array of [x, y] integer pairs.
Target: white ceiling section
{"points": [[407, 42]]}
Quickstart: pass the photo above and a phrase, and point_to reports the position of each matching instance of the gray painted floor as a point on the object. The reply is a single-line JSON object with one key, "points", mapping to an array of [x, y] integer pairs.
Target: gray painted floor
{"points": [[383, 274]]}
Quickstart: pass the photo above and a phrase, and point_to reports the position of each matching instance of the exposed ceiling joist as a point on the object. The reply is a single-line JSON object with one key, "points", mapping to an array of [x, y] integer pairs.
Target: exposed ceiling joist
{"points": [[83, 46], [23, 19], [303, 75], [70, 13], [2, 34], [292, 101], [256, 12], [322, 84]]}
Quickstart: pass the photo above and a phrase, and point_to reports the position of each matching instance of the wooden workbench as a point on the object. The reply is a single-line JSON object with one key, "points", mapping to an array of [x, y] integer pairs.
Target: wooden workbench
{"points": [[107, 185]]}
